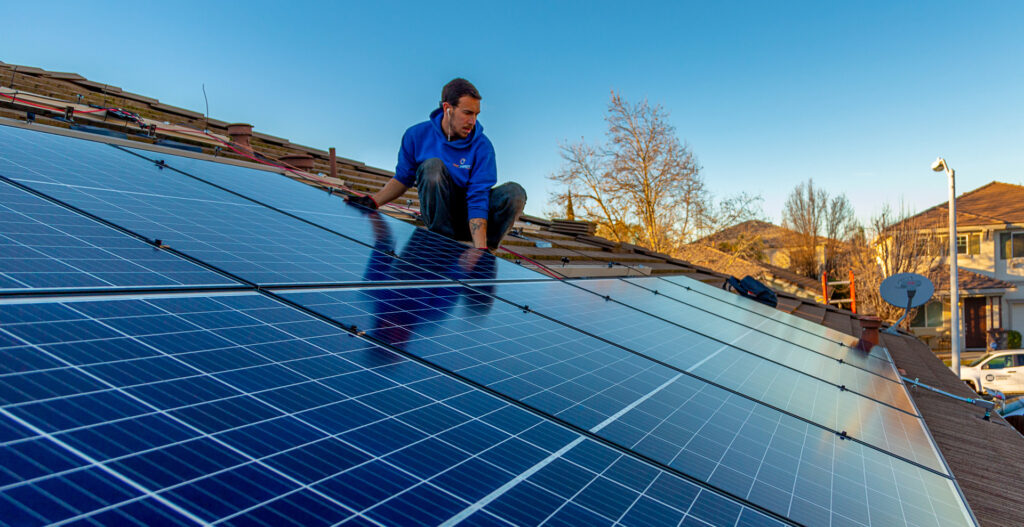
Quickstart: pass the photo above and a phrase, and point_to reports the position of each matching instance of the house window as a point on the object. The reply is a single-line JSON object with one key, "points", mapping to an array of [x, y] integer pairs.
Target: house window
{"points": [[968, 243], [1011, 245], [928, 316]]}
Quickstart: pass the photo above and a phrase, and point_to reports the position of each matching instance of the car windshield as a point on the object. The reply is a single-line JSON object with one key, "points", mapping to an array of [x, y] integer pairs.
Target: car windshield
{"points": [[983, 358]]}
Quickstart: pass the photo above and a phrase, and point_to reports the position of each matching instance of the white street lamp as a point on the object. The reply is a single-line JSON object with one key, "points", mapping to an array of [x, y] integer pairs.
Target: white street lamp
{"points": [[954, 279]]}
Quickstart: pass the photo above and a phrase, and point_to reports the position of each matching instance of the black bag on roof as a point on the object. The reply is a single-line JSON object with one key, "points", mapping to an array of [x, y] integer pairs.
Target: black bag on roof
{"points": [[751, 288]]}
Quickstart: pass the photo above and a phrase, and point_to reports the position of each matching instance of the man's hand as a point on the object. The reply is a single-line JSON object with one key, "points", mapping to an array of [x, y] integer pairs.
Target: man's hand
{"points": [[365, 200]]}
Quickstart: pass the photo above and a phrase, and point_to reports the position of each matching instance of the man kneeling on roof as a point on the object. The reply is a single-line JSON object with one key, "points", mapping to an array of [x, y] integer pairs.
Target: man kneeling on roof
{"points": [[451, 162]]}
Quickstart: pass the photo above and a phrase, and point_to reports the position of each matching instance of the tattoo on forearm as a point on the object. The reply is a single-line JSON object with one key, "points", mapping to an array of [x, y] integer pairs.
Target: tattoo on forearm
{"points": [[475, 225]]}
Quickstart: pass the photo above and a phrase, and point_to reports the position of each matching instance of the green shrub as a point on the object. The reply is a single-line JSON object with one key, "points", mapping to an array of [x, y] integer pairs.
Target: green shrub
{"points": [[1013, 339]]}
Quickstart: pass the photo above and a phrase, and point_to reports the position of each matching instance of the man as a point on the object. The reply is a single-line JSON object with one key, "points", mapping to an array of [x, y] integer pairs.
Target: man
{"points": [[451, 162]]}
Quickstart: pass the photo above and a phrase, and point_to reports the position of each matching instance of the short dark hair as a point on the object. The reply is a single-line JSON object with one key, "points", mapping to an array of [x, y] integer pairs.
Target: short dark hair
{"points": [[455, 89]]}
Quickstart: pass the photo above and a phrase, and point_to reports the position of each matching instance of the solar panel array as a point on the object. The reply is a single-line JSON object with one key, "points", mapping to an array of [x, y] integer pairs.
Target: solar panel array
{"points": [[189, 342]]}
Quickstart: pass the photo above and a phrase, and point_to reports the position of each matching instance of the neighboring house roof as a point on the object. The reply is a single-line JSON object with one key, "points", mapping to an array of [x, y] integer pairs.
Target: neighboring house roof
{"points": [[772, 235], [994, 203], [983, 456], [969, 281], [731, 264]]}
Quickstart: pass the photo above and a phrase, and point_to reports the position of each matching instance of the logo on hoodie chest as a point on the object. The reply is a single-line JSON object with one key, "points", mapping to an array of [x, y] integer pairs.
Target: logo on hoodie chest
{"points": [[462, 164]]}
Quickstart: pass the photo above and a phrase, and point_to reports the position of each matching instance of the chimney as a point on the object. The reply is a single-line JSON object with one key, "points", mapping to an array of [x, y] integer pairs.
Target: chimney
{"points": [[869, 332], [334, 163], [302, 162], [240, 134]]}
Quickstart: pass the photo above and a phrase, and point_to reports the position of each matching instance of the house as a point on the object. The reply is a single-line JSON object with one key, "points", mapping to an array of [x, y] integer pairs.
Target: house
{"points": [[990, 257], [771, 243]]}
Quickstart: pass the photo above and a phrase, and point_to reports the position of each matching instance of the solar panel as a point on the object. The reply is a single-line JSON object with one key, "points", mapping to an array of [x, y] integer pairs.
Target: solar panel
{"points": [[44, 246], [802, 395], [752, 340], [237, 409], [774, 460], [424, 248], [233, 234], [689, 407], [771, 321], [784, 318]]}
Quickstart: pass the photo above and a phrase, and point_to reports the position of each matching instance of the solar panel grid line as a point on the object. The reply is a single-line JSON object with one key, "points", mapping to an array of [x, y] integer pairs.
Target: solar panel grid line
{"points": [[222, 519], [129, 232], [767, 319], [806, 327], [618, 414], [197, 429], [641, 401], [906, 408], [320, 216], [589, 433], [203, 262], [71, 265], [261, 203], [67, 213], [315, 302], [887, 370], [764, 321], [884, 439], [884, 442], [746, 396], [219, 228], [146, 492], [500, 491], [225, 469]]}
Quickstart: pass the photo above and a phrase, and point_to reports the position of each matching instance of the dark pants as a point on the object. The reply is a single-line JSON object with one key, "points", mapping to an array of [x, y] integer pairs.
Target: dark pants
{"points": [[443, 204]]}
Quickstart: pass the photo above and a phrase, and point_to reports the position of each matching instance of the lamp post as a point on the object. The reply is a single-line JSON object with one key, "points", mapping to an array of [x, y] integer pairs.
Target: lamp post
{"points": [[954, 279]]}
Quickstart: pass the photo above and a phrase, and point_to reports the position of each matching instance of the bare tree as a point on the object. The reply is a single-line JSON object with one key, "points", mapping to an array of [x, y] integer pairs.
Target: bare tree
{"points": [[643, 185], [839, 227], [586, 176], [820, 223], [899, 243], [804, 214], [653, 171]]}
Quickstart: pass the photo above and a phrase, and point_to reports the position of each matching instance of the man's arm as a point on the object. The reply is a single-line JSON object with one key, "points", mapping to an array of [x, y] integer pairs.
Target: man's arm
{"points": [[478, 230], [392, 189]]}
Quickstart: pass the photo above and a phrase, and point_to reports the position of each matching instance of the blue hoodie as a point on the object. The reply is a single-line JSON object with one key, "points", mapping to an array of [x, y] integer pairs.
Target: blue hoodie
{"points": [[470, 160]]}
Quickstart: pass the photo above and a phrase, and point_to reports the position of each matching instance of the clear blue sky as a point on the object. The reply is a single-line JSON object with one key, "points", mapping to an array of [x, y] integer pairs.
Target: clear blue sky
{"points": [[861, 96]]}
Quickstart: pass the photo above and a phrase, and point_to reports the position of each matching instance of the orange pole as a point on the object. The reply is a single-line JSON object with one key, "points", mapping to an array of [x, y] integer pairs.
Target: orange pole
{"points": [[853, 294], [824, 286]]}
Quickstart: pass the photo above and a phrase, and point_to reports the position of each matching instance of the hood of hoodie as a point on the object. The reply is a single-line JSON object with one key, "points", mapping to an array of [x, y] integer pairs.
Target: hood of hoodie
{"points": [[465, 142]]}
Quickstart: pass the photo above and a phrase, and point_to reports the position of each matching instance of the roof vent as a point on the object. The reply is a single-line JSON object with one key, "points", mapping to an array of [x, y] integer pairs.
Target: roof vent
{"points": [[573, 228], [299, 161], [240, 134], [869, 332]]}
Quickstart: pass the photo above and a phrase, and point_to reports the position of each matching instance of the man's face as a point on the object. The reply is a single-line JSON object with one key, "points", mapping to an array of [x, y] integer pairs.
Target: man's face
{"points": [[462, 118]]}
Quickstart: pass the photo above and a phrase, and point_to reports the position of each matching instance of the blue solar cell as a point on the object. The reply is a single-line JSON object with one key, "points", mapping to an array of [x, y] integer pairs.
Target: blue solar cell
{"points": [[428, 250], [751, 339], [715, 436], [45, 246], [771, 321], [891, 425], [222, 230], [309, 430]]}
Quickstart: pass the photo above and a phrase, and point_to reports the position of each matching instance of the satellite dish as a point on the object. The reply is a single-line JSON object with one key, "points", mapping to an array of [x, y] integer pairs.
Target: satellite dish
{"points": [[906, 290]]}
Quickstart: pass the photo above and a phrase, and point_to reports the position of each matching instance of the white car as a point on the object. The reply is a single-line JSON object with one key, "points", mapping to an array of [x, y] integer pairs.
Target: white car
{"points": [[1002, 370]]}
